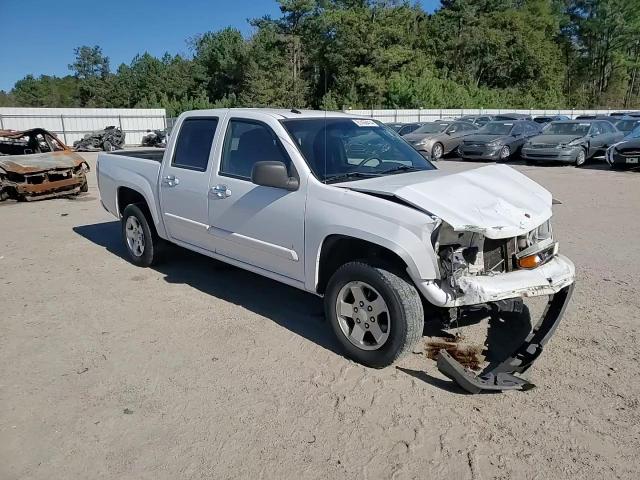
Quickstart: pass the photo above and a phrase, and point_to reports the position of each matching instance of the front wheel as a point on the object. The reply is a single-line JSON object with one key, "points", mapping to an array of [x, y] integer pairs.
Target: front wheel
{"points": [[376, 315], [505, 153], [581, 158], [141, 241], [436, 151]]}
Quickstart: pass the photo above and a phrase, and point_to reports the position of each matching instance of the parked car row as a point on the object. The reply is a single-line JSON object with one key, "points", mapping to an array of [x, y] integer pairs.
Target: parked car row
{"points": [[544, 139]]}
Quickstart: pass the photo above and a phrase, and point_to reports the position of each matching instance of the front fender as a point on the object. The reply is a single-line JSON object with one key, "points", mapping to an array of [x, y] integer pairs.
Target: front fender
{"points": [[396, 227]]}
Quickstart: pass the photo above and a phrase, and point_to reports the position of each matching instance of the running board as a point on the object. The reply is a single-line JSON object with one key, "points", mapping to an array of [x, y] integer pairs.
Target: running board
{"points": [[503, 376]]}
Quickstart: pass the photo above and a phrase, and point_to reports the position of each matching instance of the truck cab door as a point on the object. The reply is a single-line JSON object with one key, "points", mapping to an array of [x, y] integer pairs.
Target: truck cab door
{"points": [[184, 182], [256, 225]]}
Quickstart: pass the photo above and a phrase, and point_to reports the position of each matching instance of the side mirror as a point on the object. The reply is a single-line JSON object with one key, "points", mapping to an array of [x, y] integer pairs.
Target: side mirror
{"points": [[273, 174]]}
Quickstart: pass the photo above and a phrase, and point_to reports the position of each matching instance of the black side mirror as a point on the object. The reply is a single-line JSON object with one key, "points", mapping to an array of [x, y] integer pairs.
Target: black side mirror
{"points": [[273, 174]]}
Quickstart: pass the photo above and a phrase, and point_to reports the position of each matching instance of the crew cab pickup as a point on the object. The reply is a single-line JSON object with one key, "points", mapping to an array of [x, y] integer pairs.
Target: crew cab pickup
{"points": [[343, 207]]}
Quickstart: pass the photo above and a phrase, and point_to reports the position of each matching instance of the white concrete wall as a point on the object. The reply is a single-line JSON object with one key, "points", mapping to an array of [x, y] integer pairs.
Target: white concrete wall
{"points": [[429, 114], [71, 124]]}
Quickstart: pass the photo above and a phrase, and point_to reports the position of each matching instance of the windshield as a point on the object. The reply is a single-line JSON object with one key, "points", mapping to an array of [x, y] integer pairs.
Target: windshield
{"points": [[496, 128], [627, 125], [635, 133], [432, 128], [579, 129], [338, 148]]}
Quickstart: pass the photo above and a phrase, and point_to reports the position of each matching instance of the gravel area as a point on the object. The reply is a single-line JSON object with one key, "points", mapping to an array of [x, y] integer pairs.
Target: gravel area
{"points": [[194, 369]]}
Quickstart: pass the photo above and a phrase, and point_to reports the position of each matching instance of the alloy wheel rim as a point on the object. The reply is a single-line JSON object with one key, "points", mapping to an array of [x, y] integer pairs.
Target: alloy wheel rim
{"points": [[581, 158], [135, 236], [437, 151], [363, 315], [505, 152]]}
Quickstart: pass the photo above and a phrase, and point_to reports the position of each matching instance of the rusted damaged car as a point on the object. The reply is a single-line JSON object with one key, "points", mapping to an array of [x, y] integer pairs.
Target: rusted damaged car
{"points": [[35, 164]]}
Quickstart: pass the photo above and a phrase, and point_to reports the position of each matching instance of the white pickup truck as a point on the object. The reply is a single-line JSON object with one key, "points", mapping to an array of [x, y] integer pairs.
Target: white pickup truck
{"points": [[344, 208]]}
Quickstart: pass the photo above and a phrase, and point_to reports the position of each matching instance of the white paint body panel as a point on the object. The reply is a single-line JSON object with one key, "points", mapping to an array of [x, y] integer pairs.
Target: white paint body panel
{"points": [[495, 200], [280, 234]]}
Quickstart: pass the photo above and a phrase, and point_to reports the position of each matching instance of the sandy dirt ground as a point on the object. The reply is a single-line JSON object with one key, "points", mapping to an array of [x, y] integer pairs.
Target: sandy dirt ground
{"points": [[197, 370]]}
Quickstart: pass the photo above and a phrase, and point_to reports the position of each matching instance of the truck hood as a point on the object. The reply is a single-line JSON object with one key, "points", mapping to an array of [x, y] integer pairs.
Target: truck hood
{"points": [[496, 200]]}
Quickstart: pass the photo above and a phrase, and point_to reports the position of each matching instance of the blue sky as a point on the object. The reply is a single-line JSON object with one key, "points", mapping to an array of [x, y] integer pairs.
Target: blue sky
{"points": [[43, 34]]}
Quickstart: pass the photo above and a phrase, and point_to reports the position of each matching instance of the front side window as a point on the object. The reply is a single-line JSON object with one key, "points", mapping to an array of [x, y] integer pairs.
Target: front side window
{"points": [[194, 144], [345, 148], [246, 143], [596, 129]]}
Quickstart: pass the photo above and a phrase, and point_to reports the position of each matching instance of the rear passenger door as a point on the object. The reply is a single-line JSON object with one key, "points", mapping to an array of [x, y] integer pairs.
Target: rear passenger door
{"points": [[184, 182], [256, 225]]}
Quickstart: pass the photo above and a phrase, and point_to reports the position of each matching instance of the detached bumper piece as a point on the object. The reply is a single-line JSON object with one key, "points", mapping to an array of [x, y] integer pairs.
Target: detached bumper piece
{"points": [[503, 376]]}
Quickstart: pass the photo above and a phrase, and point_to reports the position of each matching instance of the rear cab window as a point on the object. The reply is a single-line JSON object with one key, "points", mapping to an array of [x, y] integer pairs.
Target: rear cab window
{"points": [[194, 143]]}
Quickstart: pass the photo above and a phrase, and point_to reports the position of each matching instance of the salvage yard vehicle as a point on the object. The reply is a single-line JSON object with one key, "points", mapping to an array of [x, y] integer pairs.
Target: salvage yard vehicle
{"points": [[380, 233], [478, 120], [436, 139], [35, 165], [498, 140], [627, 125], [571, 141], [544, 120], [626, 153], [107, 140], [405, 128]]}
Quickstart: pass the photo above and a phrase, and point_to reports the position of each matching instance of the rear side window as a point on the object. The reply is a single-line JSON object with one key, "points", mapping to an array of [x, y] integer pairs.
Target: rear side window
{"points": [[246, 143], [194, 143]]}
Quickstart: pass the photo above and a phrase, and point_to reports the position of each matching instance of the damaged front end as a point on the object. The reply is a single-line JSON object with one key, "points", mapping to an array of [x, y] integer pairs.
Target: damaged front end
{"points": [[35, 165], [476, 269]]}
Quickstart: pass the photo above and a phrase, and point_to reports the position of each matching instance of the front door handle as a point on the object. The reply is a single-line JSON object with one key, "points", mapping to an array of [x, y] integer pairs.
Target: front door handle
{"points": [[170, 181], [221, 191]]}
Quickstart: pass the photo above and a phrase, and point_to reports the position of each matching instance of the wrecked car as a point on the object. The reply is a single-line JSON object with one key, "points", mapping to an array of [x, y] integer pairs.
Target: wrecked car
{"points": [[107, 140], [387, 239], [571, 141], [35, 164], [155, 138]]}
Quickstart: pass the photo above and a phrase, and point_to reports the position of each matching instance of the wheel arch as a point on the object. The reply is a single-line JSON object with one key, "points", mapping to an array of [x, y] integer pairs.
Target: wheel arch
{"points": [[338, 249]]}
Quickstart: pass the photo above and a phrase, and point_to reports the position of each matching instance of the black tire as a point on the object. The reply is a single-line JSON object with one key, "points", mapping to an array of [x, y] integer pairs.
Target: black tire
{"points": [[531, 162], [581, 160], [405, 311], [151, 247], [434, 151], [84, 188]]}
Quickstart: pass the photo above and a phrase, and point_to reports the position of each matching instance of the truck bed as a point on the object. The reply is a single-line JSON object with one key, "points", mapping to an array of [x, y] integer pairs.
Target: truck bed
{"points": [[135, 169], [154, 154]]}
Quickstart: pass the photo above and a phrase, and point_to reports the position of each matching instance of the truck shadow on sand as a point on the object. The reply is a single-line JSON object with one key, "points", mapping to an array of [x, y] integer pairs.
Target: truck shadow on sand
{"points": [[297, 311]]}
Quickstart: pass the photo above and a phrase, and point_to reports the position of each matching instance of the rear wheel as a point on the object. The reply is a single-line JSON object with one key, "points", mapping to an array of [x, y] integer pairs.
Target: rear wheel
{"points": [[376, 315], [140, 239]]}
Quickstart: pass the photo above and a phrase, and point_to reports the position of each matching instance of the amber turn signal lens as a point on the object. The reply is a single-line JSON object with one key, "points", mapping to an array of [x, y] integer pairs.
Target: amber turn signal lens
{"points": [[532, 261]]}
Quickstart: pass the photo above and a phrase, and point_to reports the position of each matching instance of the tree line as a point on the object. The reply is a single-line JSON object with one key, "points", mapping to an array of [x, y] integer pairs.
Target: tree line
{"points": [[377, 54]]}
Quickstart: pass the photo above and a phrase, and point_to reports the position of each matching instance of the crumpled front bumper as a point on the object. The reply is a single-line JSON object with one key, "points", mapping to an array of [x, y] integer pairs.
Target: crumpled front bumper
{"points": [[503, 376], [546, 279], [555, 278]]}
